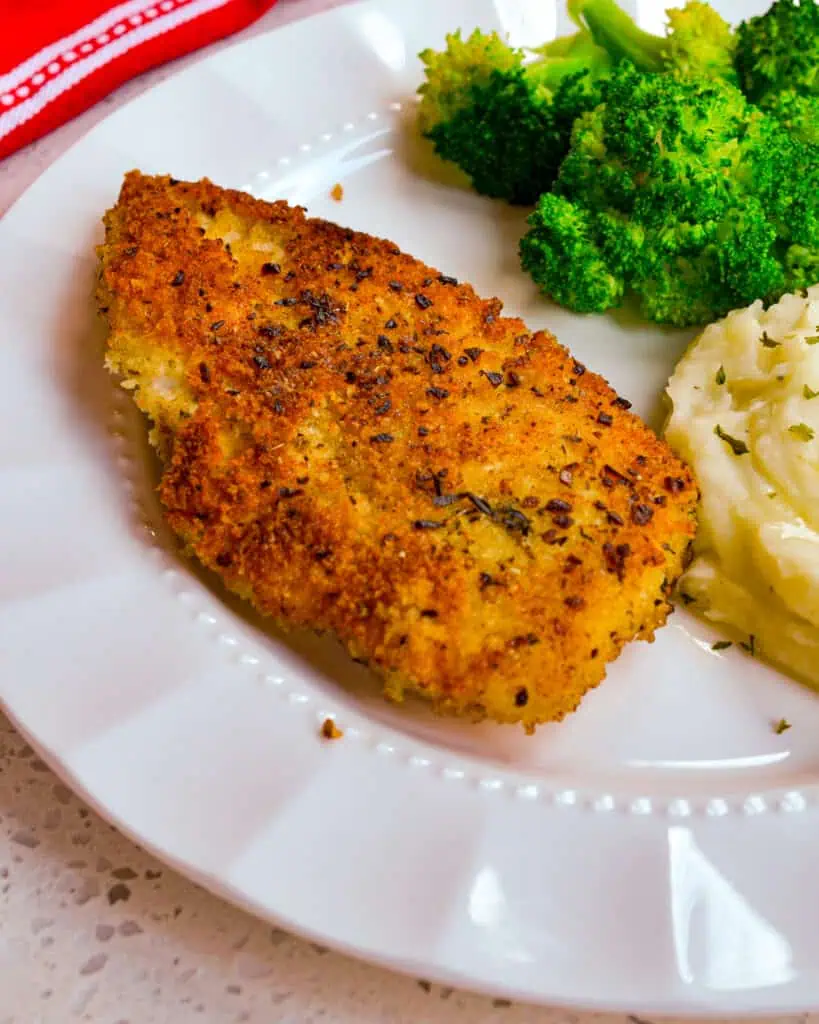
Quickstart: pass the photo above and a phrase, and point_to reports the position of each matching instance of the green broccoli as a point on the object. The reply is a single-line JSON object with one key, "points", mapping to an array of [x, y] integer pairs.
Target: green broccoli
{"points": [[507, 122], [780, 50], [679, 191], [799, 114], [778, 63], [698, 40]]}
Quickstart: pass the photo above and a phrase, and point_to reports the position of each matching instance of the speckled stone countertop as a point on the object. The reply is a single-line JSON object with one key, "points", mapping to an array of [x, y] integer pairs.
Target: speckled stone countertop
{"points": [[93, 929]]}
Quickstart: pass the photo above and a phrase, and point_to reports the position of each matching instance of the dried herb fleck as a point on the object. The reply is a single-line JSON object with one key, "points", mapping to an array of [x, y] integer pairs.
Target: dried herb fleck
{"points": [[481, 504], [809, 393], [722, 645], [768, 342], [802, 431], [513, 520], [720, 377], [737, 447], [781, 726]]}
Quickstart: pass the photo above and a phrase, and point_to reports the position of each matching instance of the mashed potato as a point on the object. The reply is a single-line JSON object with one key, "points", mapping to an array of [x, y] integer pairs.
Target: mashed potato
{"points": [[746, 417]]}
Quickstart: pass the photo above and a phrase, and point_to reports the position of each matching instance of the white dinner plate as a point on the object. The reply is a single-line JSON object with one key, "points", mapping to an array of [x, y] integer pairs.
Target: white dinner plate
{"points": [[658, 851]]}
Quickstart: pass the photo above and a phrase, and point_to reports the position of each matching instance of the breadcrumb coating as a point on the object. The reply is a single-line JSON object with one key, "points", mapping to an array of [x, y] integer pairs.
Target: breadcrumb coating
{"points": [[358, 443]]}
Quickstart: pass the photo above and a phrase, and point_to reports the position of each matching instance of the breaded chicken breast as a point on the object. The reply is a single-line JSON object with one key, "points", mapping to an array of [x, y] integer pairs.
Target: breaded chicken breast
{"points": [[356, 442]]}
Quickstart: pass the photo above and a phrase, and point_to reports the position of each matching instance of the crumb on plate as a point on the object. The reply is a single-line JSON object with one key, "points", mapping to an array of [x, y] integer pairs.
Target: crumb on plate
{"points": [[330, 731]]}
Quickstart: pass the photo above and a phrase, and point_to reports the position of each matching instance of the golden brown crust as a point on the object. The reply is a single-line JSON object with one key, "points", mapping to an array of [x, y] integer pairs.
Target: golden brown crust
{"points": [[360, 444]]}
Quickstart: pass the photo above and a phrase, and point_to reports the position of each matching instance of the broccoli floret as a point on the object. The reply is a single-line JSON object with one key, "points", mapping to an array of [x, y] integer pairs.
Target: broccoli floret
{"points": [[798, 113], [566, 256], [779, 51], [507, 122], [778, 63], [698, 41], [679, 191]]}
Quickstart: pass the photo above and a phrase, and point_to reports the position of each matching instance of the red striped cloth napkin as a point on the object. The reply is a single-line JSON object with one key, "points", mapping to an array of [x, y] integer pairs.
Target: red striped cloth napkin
{"points": [[59, 57]]}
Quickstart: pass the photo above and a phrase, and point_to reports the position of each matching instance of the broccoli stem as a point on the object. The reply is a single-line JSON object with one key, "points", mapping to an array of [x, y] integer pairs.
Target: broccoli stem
{"points": [[566, 56], [617, 33]]}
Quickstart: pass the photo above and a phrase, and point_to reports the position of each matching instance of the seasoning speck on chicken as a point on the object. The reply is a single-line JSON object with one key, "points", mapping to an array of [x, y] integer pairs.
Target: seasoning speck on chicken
{"points": [[488, 547]]}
